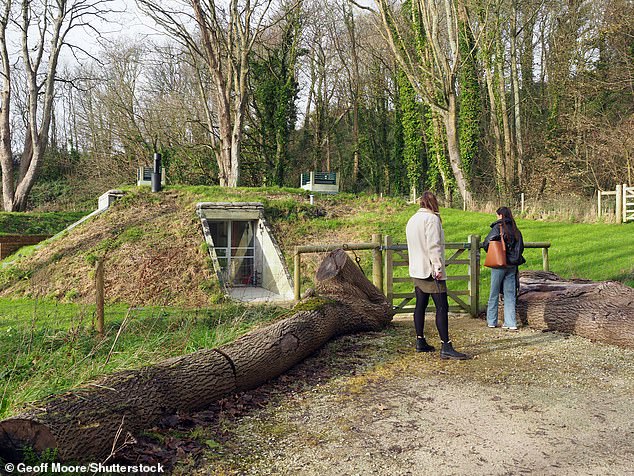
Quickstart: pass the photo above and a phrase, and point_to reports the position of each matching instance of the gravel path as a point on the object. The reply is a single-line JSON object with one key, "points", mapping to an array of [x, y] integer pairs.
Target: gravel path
{"points": [[528, 403]]}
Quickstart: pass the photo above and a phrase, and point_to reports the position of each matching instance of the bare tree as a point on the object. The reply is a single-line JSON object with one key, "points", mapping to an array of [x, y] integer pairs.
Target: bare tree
{"points": [[327, 104], [223, 34], [43, 29], [431, 65], [354, 80]]}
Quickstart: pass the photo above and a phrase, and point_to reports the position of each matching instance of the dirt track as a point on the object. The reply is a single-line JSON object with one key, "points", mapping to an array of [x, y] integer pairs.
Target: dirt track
{"points": [[528, 403]]}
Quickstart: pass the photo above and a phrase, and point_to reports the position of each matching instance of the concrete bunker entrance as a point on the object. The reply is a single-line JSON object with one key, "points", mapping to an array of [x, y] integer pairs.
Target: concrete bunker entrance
{"points": [[234, 242], [244, 253]]}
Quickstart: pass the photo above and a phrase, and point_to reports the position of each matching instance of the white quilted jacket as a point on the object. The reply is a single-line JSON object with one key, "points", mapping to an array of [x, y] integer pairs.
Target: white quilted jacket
{"points": [[426, 245]]}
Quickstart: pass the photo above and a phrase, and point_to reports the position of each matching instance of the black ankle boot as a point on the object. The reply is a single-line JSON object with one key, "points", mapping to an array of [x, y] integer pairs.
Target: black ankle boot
{"points": [[448, 352], [423, 346]]}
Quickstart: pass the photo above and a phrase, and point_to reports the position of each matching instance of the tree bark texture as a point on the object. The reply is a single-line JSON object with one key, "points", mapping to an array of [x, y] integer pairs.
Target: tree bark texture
{"points": [[84, 424], [515, 87], [600, 311], [453, 148]]}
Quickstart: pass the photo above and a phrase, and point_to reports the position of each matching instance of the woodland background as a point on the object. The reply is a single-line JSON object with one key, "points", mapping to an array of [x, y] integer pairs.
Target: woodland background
{"points": [[475, 99]]}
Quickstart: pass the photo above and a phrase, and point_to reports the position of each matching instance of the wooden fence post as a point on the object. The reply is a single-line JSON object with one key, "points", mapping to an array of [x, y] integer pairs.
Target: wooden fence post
{"points": [[377, 262], [389, 269], [99, 294], [474, 274], [545, 259], [297, 263], [599, 204], [619, 203]]}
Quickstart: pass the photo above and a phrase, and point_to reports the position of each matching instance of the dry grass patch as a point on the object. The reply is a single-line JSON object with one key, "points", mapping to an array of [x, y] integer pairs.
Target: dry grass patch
{"points": [[152, 251]]}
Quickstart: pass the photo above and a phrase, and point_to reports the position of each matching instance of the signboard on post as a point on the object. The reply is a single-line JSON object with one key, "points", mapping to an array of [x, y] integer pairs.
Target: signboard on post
{"points": [[321, 182]]}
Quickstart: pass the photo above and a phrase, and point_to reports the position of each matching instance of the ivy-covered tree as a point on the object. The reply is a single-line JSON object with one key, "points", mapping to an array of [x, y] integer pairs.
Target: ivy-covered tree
{"points": [[376, 123], [412, 125], [274, 89], [439, 170], [469, 101], [397, 183], [431, 66]]}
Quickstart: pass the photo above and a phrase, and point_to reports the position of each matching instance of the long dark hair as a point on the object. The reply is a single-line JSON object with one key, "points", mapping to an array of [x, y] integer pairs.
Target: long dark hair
{"points": [[429, 201], [507, 216]]}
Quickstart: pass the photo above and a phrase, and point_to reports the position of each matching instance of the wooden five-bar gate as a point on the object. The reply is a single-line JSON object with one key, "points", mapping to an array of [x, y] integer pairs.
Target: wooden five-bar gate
{"points": [[464, 259], [628, 203], [390, 270]]}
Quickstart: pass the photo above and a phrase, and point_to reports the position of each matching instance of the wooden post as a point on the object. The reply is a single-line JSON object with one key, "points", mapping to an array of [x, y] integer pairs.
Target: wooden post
{"points": [[99, 291], [545, 259], [522, 201], [377, 262], [297, 275], [474, 274], [619, 203], [389, 269], [599, 204]]}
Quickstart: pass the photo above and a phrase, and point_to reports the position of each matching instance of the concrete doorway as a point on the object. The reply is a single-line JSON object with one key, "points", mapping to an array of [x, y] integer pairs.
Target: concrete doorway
{"points": [[244, 253]]}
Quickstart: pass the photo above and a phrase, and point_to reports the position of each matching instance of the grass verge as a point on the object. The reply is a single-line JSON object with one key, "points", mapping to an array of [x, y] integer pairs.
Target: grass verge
{"points": [[31, 223], [47, 347]]}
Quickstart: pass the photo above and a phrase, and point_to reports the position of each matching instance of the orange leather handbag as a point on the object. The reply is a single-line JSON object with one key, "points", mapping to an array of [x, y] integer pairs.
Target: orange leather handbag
{"points": [[496, 254]]}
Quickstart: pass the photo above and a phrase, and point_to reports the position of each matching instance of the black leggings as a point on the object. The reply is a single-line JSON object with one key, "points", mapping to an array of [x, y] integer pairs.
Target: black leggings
{"points": [[442, 313]]}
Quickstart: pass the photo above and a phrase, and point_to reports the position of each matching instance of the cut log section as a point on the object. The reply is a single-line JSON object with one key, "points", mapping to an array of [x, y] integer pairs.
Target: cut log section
{"points": [[86, 424], [600, 311]]}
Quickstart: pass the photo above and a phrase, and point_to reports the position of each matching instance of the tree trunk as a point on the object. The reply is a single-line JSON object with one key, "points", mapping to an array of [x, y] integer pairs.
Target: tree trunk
{"points": [[453, 149], [6, 154], [509, 156], [601, 311], [225, 136], [439, 149], [6, 162], [84, 424], [500, 180], [515, 87]]}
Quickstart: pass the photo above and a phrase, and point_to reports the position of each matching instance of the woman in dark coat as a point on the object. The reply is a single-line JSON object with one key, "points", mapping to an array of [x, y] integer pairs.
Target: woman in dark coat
{"points": [[505, 280]]}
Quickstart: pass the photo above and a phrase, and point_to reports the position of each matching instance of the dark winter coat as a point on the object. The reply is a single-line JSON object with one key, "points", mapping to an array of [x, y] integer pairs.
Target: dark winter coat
{"points": [[514, 247]]}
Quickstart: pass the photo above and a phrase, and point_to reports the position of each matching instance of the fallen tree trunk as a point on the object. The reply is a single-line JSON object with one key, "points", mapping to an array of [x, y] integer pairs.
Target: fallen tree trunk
{"points": [[88, 424], [601, 311]]}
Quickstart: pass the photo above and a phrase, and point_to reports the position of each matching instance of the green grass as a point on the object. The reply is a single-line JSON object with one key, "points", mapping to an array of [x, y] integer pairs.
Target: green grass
{"points": [[578, 250], [47, 347], [47, 223]]}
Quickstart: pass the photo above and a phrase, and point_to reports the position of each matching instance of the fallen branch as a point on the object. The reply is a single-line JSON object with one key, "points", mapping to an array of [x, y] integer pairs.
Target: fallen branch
{"points": [[601, 311], [83, 423]]}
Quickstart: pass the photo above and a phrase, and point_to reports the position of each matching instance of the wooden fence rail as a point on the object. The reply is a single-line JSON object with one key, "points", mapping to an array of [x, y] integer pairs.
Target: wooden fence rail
{"points": [[375, 246], [387, 256]]}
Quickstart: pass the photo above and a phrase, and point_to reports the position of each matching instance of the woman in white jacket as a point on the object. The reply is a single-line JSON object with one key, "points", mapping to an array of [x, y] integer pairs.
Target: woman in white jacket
{"points": [[426, 248]]}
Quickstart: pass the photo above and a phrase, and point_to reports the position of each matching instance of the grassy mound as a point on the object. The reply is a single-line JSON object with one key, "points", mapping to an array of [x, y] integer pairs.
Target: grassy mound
{"points": [[151, 247]]}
